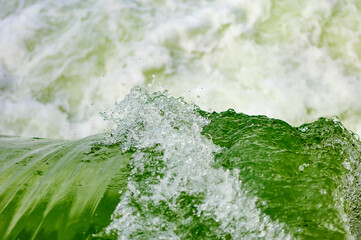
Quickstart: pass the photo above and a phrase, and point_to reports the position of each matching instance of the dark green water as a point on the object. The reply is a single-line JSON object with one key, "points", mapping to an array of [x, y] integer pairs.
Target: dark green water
{"points": [[298, 174], [244, 177]]}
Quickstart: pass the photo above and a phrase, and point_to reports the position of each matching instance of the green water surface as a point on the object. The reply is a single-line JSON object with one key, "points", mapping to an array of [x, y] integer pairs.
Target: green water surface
{"points": [[303, 177]]}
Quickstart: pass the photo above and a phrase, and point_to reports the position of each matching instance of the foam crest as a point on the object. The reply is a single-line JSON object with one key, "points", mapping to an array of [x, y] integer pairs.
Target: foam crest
{"points": [[173, 191]]}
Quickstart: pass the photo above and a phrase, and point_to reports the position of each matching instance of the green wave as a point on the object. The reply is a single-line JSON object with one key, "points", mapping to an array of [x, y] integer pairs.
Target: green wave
{"points": [[170, 170], [306, 177]]}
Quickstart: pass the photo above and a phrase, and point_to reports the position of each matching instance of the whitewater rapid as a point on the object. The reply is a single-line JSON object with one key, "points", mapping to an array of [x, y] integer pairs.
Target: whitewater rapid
{"points": [[61, 63]]}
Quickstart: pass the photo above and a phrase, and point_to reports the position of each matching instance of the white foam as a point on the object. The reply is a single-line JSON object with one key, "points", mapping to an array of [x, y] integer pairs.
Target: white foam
{"points": [[184, 159], [295, 61]]}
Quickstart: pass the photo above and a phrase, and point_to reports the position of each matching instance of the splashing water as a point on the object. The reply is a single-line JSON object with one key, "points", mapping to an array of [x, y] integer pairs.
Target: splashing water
{"points": [[184, 173], [173, 191]]}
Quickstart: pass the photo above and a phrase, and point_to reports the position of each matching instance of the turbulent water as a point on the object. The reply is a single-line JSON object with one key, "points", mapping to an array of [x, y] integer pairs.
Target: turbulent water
{"points": [[169, 170], [160, 166], [63, 62]]}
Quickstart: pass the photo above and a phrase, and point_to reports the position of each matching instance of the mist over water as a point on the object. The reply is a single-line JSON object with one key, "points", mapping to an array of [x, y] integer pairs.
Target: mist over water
{"points": [[61, 63]]}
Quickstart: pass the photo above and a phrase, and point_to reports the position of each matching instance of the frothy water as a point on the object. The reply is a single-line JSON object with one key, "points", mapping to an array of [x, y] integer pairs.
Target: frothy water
{"points": [[181, 171], [172, 174], [61, 63], [169, 170]]}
